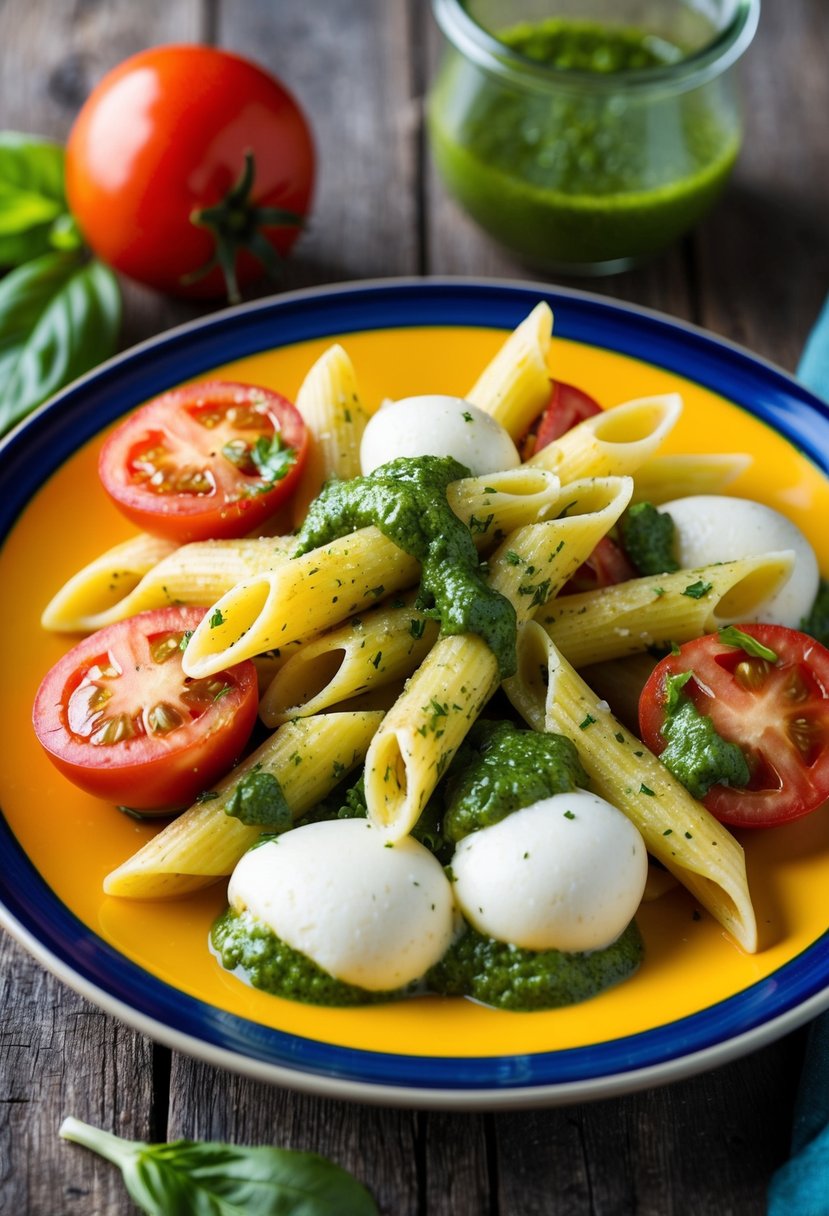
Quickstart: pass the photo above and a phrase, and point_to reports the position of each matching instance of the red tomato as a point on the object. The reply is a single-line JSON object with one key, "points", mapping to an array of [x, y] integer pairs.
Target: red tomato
{"points": [[157, 169], [120, 719], [606, 565], [777, 713], [210, 460], [567, 407]]}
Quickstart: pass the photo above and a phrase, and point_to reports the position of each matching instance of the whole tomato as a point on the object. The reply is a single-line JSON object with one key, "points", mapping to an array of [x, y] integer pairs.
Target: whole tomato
{"points": [[190, 169]]}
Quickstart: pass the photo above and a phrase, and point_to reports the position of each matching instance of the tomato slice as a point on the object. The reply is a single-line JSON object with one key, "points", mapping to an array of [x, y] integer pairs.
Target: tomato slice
{"points": [[120, 719], [567, 407], [776, 712], [606, 565], [210, 460]]}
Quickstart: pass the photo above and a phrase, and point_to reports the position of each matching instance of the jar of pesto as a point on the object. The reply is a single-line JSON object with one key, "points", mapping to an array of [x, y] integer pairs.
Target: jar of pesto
{"points": [[586, 135]]}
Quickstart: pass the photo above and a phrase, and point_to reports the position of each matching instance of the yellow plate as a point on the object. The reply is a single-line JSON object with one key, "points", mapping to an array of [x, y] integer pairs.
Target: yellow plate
{"points": [[697, 998]]}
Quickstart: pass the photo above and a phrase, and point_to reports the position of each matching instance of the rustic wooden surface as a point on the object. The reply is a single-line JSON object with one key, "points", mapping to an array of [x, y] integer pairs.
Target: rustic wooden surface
{"points": [[755, 272]]}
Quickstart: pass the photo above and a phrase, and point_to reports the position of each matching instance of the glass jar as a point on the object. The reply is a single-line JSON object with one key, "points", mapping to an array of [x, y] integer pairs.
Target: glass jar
{"points": [[586, 135]]}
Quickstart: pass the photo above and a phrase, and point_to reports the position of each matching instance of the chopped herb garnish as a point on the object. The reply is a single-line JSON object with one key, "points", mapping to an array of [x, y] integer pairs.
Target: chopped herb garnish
{"points": [[730, 635], [216, 619], [697, 590], [588, 721]]}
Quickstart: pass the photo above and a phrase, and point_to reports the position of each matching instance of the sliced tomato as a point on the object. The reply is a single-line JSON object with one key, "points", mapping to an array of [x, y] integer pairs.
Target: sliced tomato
{"points": [[776, 712], [120, 719], [606, 565], [210, 460], [567, 407]]}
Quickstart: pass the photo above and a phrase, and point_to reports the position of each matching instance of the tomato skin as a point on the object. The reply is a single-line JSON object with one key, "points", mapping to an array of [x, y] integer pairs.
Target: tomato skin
{"points": [[147, 771], [567, 407], [163, 135], [606, 565], [236, 501], [778, 714]]}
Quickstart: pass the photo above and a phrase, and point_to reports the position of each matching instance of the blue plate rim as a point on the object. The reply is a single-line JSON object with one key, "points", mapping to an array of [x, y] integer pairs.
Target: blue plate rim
{"points": [[786, 999]]}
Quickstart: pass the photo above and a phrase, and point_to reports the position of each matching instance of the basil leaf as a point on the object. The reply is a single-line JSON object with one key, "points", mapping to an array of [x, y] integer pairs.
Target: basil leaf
{"points": [[59, 317], [194, 1178], [272, 458], [730, 635], [34, 216]]}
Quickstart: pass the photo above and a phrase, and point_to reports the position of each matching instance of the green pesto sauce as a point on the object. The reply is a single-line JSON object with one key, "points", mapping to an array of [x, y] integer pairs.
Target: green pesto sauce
{"points": [[501, 769], [252, 951], [571, 177], [406, 500], [696, 754], [648, 538], [508, 977]]}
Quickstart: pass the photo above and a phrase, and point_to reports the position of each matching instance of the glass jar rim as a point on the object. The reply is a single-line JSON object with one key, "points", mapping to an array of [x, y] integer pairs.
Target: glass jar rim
{"points": [[478, 45]]}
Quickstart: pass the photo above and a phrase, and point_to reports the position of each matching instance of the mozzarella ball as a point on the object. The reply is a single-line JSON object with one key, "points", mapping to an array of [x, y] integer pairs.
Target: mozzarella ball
{"points": [[369, 915], [566, 873], [437, 426], [715, 528]]}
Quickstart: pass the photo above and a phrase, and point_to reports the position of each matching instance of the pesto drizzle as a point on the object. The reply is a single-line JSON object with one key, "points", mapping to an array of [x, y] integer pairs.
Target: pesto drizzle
{"points": [[406, 500]]}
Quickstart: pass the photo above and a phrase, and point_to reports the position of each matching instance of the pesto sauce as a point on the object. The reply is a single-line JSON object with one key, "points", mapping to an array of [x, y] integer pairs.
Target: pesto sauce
{"points": [[501, 769], [251, 950], [575, 177], [509, 977], [697, 754], [406, 500]]}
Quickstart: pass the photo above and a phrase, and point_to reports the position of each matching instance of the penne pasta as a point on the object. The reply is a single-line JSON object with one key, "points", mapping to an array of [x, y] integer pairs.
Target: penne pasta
{"points": [[626, 618], [147, 572], [614, 443], [330, 404], [663, 478], [311, 593], [308, 757], [367, 652], [422, 731], [515, 386], [677, 829]]}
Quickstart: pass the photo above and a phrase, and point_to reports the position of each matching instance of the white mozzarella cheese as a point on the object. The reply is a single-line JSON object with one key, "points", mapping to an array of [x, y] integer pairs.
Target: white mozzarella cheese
{"points": [[437, 426], [565, 873], [716, 528], [368, 914]]}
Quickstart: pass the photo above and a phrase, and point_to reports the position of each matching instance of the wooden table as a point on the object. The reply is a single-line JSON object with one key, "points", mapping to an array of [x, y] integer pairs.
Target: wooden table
{"points": [[755, 272]]}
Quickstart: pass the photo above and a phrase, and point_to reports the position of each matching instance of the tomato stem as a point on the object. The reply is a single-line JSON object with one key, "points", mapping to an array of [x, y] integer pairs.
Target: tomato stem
{"points": [[236, 224]]}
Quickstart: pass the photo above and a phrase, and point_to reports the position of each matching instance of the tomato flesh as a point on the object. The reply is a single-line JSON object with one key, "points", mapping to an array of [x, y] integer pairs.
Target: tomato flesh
{"points": [[776, 712], [567, 407], [193, 464], [119, 718]]}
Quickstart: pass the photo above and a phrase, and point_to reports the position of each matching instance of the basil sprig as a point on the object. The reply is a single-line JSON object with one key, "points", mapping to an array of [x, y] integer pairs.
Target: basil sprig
{"points": [[192, 1178], [59, 308]]}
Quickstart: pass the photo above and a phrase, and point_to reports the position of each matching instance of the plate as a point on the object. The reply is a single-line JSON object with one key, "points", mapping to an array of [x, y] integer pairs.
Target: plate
{"points": [[697, 1001]]}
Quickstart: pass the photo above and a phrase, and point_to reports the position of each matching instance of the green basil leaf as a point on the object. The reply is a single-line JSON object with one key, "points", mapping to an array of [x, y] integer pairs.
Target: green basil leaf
{"points": [[59, 317], [213, 1179], [34, 216]]}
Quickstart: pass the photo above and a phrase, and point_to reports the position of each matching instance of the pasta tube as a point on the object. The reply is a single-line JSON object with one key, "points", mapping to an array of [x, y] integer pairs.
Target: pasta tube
{"points": [[626, 618], [146, 572], [614, 443], [364, 653], [677, 829], [662, 478], [331, 407], [311, 593], [424, 728], [308, 757], [515, 386]]}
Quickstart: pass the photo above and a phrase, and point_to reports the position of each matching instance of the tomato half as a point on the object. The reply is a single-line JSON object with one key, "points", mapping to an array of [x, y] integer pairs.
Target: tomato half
{"points": [[188, 157], [120, 719], [567, 407], [776, 712], [209, 460]]}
